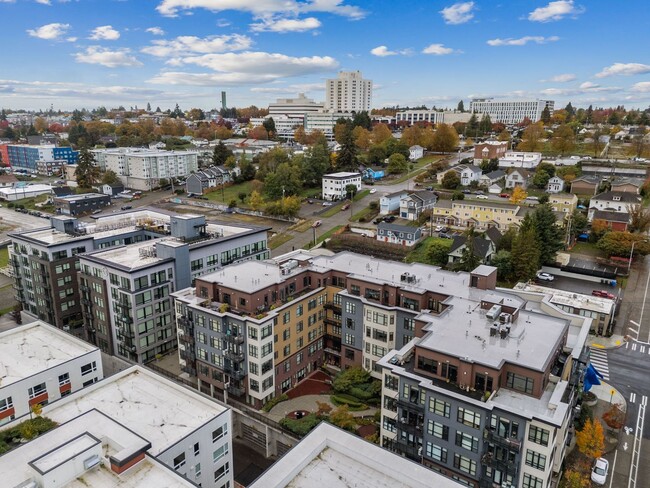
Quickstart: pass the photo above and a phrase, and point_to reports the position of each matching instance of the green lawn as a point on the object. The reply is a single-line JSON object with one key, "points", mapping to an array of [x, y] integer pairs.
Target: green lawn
{"points": [[360, 195], [279, 239], [363, 213], [231, 193], [419, 254], [332, 211], [4, 257], [323, 236], [588, 249]]}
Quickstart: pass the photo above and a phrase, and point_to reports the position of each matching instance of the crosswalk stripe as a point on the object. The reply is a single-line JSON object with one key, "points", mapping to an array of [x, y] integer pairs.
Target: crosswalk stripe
{"points": [[627, 344], [643, 349], [598, 358], [634, 346], [632, 397], [644, 400]]}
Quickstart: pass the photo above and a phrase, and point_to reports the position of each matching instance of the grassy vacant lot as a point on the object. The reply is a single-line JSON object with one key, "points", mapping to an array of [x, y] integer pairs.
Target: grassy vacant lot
{"points": [[418, 167], [231, 193], [279, 239], [364, 214], [323, 236], [419, 254], [587, 249], [4, 257]]}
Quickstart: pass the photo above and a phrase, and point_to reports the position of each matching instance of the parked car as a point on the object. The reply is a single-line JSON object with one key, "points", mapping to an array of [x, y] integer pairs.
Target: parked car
{"points": [[310, 201], [389, 218], [98, 211], [479, 192], [126, 207], [599, 471], [603, 294], [504, 195], [345, 207], [378, 220], [318, 223], [444, 235], [545, 276], [445, 229], [327, 204], [439, 228], [467, 192], [374, 190], [482, 197]]}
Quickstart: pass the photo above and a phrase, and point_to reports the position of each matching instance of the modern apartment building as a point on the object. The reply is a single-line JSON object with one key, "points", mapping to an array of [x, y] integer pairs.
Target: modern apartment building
{"points": [[510, 111], [142, 169], [335, 184], [40, 364], [432, 116], [486, 392], [46, 263], [132, 429], [349, 92], [480, 214], [27, 157]]}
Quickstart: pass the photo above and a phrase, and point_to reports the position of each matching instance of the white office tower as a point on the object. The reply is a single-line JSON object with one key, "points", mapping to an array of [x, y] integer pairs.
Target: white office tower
{"points": [[510, 111], [348, 93]]}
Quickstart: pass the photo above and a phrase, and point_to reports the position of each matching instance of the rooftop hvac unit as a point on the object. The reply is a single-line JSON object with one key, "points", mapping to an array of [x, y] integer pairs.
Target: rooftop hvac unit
{"points": [[494, 312], [493, 330], [505, 318]]}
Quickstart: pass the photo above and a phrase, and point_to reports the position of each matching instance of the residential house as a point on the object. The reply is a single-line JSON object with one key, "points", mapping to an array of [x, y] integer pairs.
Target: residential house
{"points": [[372, 174], [614, 201], [404, 235], [214, 176], [555, 185], [490, 150], [7, 180], [493, 234], [517, 178], [390, 203], [563, 202], [491, 177], [617, 221], [111, 190], [631, 185], [525, 160], [585, 185], [456, 169], [494, 189], [480, 214], [416, 152], [411, 206], [81, 204], [483, 249], [469, 174]]}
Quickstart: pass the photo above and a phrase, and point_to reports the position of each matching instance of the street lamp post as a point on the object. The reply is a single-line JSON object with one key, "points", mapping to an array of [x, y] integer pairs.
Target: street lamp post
{"points": [[314, 232]]}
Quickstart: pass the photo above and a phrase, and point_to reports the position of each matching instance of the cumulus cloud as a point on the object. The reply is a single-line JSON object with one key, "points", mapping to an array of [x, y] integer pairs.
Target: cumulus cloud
{"points": [[522, 41], [624, 69], [50, 32], [156, 31], [186, 45], [244, 68], [273, 24], [111, 58], [555, 11], [458, 13], [563, 78], [438, 50], [383, 51], [641, 87], [258, 8], [44, 2], [587, 87], [104, 33]]}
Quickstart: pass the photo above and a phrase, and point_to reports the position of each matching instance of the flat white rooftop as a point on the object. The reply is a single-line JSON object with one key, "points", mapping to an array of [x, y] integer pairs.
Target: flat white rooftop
{"points": [[570, 299], [36, 347], [149, 405], [342, 174], [132, 256]]}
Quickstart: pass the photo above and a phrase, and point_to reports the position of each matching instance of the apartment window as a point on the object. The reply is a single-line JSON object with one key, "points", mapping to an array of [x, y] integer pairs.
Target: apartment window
{"points": [[349, 323], [538, 435], [349, 339], [266, 349], [536, 460], [391, 382], [219, 433], [465, 464], [179, 461], [255, 385], [39, 389], [197, 449], [350, 307], [88, 368], [286, 317], [439, 407], [469, 418], [252, 351], [436, 452], [287, 350], [532, 482], [438, 430], [253, 368], [409, 324], [286, 334], [221, 472], [299, 310], [466, 441], [520, 383], [220, 452], [6, 404], [197, 470], [64, 379]]}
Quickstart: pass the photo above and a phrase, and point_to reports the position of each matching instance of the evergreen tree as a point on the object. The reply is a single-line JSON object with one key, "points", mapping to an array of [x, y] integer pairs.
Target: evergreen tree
{"points": [[461, 106], [570, 112], [485, 125], [220, 154], [86, 173], [589, 114], [269, 126], [148, 107], [468, 259], [362, 119], [549, 235], [471, 129], [316, 164], [525, 254], [546, 116], [347, 157]]}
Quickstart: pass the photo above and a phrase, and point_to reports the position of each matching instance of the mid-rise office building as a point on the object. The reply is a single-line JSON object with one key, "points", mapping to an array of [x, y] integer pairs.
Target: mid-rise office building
{"points": [[294, 107], [27, 157], [510, 111], [142, 169], [46, 261], [41, 364], [324, 122], [432, 116], [132, 429], [349, 92]]}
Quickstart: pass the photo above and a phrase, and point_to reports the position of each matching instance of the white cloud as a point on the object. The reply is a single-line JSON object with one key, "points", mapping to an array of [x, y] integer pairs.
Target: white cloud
{"points": [[438, 50], [260, 8], [641, 87], [555, 11], [624, 69], [104, 33], [107, 57], [291, 89], [587, 87], [44, 2], [185, 45], [51, 32], [458, 13], [273, 24], [522, 41], [563, 78], [245, 68], [156, 31], [383, 51]]}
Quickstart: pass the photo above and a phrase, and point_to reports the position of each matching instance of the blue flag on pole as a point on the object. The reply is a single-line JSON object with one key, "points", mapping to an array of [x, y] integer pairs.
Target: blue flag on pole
{"points": [[592, 377]]}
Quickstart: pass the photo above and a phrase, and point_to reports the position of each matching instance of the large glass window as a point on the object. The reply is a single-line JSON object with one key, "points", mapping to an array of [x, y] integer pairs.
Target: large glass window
{"points": [[469, 418], [520, 383]]}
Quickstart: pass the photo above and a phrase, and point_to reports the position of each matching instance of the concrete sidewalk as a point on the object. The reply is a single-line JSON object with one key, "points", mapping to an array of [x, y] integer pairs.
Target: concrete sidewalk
{"points": [[602, 342]]}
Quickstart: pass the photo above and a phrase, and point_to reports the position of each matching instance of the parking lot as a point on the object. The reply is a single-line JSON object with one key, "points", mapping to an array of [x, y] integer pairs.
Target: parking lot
{"points": [[579, 286]]}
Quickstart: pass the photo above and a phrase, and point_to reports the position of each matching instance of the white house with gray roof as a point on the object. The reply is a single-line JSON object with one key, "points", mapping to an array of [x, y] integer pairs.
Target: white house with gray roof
{"points": [[404, 235]]}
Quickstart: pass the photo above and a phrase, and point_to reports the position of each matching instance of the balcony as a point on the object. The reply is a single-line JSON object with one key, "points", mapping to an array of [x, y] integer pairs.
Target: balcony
{"points": [[237, 391], [410, 425], [488, 459], [332, 306], [188, 355], [506, 442], [329, 350], [234, 356], [411, 451], [410, 406], [234, 339], [330, 321]]}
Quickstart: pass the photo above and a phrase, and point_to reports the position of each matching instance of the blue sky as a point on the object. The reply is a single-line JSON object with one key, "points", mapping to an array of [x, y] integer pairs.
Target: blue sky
{"points": [[86, 53]]}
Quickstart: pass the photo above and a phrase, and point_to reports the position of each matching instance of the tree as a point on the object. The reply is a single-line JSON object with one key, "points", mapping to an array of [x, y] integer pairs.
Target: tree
{"points": [[376, 154], [86, 172], [485, 125], [525, 254], [299, 135], [461, 106], [549, 235], [502, 261], [362, 119], [445, 138], [246, 170], [394, 146], [614, 417], [288, 206], [518, 195], [546, 116], [381, 133], [220, 154], [350, 190], [451, 180], [282, 182], [564, 140], [591, 439], [620, 244], [579, 222], [508, 237], [639, 218], [504, 135], [540, 179], [222, 132], [468, 259], [596, 143], [340, 128], [488, 166], [148, 107], [341, 417], [531, 139], [316, 164], [397, 164], [471, 129], [347, 156], [361, 137], [195, 114], [438, 252], [40, 124], [255, 201], [412, 135], [575, 479], [269, 126], [110, 177]]}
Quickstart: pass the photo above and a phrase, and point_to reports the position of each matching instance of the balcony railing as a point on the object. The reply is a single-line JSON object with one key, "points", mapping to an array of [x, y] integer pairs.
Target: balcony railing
{"points": [[489, 459], [411, 451], [234, 338], [236, 391], [507, 442], [332, 306], [409, 425], [331, 321], [410, 406], [236, 356], [329, 350]]}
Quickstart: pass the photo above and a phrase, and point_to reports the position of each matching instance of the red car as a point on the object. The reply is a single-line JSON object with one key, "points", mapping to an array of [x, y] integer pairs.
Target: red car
{"points": [[603, 294], [504, 195]]}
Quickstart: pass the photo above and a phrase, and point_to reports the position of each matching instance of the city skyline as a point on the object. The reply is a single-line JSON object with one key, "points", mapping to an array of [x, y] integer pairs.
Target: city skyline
{"points": [[432, 53]]}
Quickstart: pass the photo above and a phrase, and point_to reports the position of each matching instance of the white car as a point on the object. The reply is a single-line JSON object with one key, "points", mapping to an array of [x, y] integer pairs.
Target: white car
{"points": [[482, 197], [599, 471], [374, 190], [545, 276], [438, 228]]}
